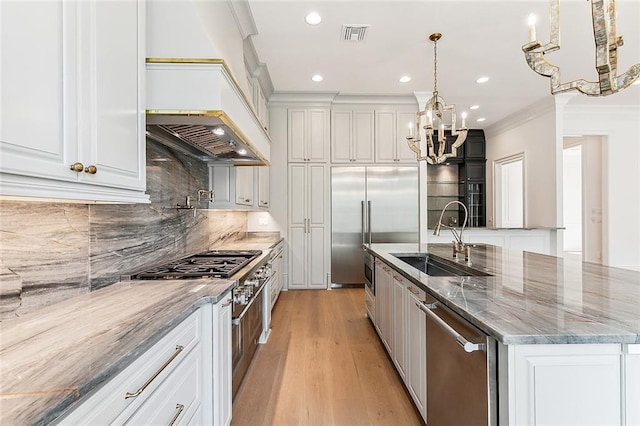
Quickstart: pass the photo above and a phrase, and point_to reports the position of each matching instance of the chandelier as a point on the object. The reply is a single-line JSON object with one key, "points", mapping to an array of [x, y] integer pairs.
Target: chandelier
{"points": [[434, 117], [603, 14]]}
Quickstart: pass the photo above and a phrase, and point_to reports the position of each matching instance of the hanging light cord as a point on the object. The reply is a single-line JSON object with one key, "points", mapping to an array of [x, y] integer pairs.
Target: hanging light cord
{"points": [[435, 66]]}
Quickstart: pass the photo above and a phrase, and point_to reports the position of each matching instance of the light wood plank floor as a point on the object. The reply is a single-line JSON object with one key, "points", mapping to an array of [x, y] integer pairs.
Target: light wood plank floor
{"points": [[322, 365]]}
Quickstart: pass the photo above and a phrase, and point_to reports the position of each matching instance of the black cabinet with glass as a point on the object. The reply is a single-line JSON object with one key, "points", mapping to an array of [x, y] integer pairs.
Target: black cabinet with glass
{"points": [[464, 182]]}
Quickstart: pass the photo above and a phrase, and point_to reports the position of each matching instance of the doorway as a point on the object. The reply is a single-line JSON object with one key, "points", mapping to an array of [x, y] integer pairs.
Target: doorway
{"points": [[509, 191], [582, 197]]}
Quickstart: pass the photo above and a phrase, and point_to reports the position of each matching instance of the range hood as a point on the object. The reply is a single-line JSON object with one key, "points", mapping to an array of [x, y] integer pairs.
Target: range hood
{"points": [[198, 108]]}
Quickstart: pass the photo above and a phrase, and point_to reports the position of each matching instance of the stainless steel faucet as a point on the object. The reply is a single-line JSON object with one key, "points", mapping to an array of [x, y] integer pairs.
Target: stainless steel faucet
{"points": [[458, 244]]}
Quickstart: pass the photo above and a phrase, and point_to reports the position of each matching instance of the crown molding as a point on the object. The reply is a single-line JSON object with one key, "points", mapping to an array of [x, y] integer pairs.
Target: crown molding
{"points": [[528, 113], [241, 12], [374, 100], [323, 99]]}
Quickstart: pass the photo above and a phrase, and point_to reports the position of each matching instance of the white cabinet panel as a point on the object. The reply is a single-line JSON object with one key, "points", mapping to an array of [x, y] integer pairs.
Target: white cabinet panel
{"points": [[632, 384], [399, 325], [567, 384], [417, 349], [222, 367], [317, 259], [297, 136], [263, 186], [385, 136], [318, 142], [341, 136], [308, 135], [297, 258], [403, 152], [297, 195], [317, 194], [352, 136], [244, 185], [363, 130]]}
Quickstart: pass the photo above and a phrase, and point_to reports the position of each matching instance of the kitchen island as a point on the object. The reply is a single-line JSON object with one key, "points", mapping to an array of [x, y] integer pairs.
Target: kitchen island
{"points": [[54, 359], [567, 332]]}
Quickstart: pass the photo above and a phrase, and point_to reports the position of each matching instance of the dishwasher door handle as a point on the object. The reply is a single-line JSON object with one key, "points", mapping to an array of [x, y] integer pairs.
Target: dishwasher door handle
{"points": [[428, 308]]}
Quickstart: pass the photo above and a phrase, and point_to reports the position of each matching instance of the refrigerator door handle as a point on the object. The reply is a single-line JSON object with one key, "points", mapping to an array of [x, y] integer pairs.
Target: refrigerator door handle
{"points": [[363, 217], [369, 220]]}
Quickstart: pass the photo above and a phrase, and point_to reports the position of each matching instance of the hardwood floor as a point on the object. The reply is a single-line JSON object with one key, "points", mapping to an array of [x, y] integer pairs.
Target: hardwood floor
{"points": [[322, 365]]}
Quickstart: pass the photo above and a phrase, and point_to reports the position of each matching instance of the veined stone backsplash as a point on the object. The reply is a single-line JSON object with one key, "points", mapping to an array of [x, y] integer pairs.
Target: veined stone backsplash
{"points": [[52, 251]]}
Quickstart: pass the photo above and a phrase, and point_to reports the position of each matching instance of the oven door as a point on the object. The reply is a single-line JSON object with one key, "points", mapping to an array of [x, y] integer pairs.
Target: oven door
{"points": [[369, 273]]}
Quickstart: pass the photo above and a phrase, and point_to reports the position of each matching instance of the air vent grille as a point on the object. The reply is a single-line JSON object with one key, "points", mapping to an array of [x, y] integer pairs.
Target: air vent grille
{"points": [[199, 136], [354, 32]]}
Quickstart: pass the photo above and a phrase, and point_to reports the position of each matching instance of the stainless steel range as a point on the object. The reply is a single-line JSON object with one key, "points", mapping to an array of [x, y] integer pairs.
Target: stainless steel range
{"points": [[249, 321]]}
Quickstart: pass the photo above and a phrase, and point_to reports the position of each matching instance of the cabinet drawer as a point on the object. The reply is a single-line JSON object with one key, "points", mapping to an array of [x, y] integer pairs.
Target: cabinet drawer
{"points": [[416, 291], [177, 397], [109, 401]]}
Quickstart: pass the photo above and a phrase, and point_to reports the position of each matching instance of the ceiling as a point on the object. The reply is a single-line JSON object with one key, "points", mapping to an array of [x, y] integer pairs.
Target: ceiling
{"points": [[480, 38]]}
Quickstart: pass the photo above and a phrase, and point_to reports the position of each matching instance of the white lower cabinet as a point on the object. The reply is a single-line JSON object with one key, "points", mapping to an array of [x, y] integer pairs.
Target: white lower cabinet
{"points": [[384, 304], [185, 378], [564, 385], [399, 334], [417, 349], [632, 384]]}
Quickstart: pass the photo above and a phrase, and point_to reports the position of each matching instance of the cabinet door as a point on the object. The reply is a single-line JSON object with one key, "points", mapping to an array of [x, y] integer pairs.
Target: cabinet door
{"points": [[296, 134], [244, 185], [362, 142], [385, 136], [316, 190], [222, 368], [316, 257], [38, 116], [318, 135], [399, 325], [632, 380], [417, 350], [111, 113], [386, 325], [341, 136], [474, 146], [297, 195], [297, 257], [263, 186], [403, 152], [379, 299]]}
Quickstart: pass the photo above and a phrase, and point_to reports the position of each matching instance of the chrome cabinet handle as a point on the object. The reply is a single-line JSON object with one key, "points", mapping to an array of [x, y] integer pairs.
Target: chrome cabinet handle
{"points": [[148, 382], [466, 345], [179, 408]]}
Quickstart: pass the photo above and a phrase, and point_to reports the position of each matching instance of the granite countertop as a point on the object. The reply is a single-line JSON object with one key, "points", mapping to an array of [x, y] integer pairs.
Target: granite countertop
{"points": [[532, 298], [55, 356]]}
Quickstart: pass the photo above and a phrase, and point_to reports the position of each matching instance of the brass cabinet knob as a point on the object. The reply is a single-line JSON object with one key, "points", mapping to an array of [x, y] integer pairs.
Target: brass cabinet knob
{"points": [[91, 169], [77, 167]]}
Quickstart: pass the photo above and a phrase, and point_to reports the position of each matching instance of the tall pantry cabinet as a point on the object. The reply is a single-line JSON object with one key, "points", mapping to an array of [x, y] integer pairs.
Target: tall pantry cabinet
{"points": [[308, 193]]}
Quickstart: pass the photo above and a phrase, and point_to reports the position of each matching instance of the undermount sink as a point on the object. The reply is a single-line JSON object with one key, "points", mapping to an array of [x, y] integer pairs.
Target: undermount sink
{"points": [[437, 268]]}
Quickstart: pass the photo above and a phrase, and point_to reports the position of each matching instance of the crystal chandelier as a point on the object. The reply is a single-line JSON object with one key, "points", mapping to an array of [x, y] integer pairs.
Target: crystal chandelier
{"points": [[434, 117], [603, 14]]}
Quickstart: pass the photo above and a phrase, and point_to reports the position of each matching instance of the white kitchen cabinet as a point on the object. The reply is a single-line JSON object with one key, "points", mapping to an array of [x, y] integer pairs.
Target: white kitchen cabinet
{"points": [[416, 349], [564, 384], [263, 187], [277, 271], [222, 367], [244, 185], [632, 384], [308, 134], [399, 332], [391, 130], [352, 137], [384, 305], [72, 127], [174, 372], [308, 224]]}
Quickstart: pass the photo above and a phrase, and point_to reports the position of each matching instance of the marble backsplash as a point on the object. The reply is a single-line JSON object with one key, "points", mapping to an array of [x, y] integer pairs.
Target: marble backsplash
{"points": [[50, 251]]}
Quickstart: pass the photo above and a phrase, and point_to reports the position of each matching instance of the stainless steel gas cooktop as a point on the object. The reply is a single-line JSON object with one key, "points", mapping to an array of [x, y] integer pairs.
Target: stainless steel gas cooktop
{"points": [[209, 264]]}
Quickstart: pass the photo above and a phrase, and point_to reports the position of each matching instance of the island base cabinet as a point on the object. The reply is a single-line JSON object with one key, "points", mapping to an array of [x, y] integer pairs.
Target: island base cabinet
{"points": [[632, 384], [561, 384]]}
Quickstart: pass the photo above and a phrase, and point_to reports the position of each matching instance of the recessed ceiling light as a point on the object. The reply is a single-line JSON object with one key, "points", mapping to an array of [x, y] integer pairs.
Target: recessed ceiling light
{"points": [[317, 78], [313, 18], [242, 151], [405, 79], [218, 131], [481, 119], [474, 107], [482, 80]]}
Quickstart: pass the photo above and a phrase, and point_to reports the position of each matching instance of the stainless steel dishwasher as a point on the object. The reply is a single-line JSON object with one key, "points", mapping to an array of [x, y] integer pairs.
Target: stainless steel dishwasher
{"points": [[461, 369]]}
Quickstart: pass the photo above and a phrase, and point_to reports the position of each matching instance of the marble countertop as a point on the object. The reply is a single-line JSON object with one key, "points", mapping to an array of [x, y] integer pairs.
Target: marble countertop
{"points": [[532, 298], [55, 356]]}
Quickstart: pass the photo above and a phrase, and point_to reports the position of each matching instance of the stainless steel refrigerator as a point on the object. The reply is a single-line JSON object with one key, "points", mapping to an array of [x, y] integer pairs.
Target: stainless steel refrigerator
{"points": [[369, 204]]}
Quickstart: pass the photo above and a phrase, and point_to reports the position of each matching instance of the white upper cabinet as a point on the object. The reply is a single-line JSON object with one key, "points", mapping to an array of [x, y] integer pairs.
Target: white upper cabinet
{"points": [[72, 126], [308, 134], [244, 185], [352, 136], [392, 129], [263, 187]]}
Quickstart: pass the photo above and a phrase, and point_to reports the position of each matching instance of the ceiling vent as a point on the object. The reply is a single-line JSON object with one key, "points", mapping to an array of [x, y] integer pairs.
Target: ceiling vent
{"points": [[354, 32]]}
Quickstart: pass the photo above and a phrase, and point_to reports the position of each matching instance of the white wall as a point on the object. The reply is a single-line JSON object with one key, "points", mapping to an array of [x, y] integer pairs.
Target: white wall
{"points": [[621, 171], [532, 132]]}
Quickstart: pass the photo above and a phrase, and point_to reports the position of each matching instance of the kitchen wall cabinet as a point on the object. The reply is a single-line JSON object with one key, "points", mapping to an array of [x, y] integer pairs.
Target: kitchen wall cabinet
{"points": [[391, 131], [352, 136], [72, 127], [181, 388], [242, 187], [416, 380], [308, 135], [308, 225]]}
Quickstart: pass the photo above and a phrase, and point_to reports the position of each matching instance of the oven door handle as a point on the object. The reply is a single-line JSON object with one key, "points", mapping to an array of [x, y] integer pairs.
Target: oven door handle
{"points": [[236, 320]]}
